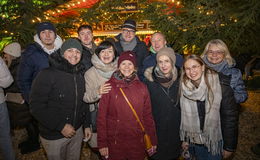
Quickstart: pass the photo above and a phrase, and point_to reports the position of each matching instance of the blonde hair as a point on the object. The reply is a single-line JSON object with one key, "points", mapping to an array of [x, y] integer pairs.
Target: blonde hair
{"points": [[223, 47]]}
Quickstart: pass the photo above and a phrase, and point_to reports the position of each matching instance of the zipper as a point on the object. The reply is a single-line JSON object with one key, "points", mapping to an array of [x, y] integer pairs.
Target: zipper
{"points": [[76, 100]]}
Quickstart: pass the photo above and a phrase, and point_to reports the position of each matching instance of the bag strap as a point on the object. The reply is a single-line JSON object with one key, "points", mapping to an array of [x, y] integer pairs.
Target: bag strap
{"points": [[133, 110]]}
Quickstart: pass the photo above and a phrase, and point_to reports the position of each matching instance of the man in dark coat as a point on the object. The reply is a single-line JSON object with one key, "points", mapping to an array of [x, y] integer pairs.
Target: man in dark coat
{"points": [[85, 35], [33, 60], [158, 41], [128, 41]]}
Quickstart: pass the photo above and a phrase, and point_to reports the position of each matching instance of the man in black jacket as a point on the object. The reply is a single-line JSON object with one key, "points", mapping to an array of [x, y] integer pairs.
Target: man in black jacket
{"points": [[128, 41], [85, 35]]}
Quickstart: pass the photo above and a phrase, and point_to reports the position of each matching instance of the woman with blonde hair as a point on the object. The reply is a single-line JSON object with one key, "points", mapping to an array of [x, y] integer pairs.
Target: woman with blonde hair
{"points": [[209, 115], [217, 56]]}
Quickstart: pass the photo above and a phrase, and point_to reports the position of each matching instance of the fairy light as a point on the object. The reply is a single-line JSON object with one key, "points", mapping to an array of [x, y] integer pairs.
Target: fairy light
{"points": [[178, 3], [33, 21]]}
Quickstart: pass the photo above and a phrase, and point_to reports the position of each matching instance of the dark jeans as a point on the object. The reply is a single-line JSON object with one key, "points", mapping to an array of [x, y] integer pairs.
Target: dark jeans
{"points": [[200, 152]]}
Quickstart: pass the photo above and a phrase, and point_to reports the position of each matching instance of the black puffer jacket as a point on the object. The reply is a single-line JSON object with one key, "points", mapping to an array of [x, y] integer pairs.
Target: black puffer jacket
{"points": [[167, 117], [228, 114], [57, 97]]}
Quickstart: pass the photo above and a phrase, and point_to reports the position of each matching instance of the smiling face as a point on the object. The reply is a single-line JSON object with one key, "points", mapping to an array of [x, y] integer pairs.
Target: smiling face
{"points": [[165, 65], [107, 55], [214, 54], [158, 41], [193, 70], [47, 37], [72, 55], [128, 34], [126, 68], [86, 36]]}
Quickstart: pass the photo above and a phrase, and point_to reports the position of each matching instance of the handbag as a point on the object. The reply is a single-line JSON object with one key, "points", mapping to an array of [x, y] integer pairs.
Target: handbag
{"points": [[147, 139]]}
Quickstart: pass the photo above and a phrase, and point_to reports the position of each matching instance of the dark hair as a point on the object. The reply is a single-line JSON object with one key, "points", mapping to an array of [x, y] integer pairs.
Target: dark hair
{"points": [[85, 26], [105, 45]]}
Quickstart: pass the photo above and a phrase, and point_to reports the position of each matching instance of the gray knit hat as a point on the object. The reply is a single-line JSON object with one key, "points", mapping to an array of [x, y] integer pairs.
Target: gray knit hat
{"points": [[167, 51], [70, 43]]}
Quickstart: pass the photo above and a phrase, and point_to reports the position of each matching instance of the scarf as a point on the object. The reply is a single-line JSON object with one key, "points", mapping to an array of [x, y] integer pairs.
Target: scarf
{"points": [[118, 75], [105, 70], [159, 77], [217, 67], [128, 46], [190, 131]]}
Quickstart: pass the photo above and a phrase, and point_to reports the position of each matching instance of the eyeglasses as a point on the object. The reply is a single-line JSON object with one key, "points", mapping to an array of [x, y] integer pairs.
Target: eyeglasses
{"points": [[193, 68], [218, 52], [128, 31]]}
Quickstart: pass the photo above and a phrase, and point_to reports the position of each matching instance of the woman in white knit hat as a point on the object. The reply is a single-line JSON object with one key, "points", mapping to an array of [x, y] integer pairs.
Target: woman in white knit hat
{"points": [[11, 52]]}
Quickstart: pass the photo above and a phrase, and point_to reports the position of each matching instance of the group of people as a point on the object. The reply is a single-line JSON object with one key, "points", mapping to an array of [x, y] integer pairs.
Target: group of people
{"points": [[112, 94]]}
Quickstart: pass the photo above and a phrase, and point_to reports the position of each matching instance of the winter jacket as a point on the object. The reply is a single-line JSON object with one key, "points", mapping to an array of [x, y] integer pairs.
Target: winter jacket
{"points": [[56, 98], [86, 56], [6, 79], [236, 83], [167, 117], [33, 60], [117, 127], [228, 115], [140, 50], [13, 70], [150, 61]]}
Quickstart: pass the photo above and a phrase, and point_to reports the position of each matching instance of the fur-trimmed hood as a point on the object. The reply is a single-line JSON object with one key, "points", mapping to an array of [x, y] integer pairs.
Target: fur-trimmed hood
{"points": [[58, 62]]}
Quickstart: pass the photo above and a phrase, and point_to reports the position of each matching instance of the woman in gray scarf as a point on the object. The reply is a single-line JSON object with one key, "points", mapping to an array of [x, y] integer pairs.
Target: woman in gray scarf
{"points": [[104, 64], [209, 115]]}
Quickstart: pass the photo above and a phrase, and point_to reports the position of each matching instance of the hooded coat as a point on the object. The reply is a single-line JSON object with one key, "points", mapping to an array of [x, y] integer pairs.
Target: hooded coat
{"points": [[56, 98], [117, 127], [33, 60], [167, 116]]}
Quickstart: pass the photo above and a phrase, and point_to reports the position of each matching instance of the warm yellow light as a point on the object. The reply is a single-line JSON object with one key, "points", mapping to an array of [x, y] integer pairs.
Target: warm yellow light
{"points": [[6, 31], [68, 5], [3, 16], [178, 3], [33, 21], [173, 1], [73, 4], [78, 2], [84, 0], [58, 11], [235, 20], [222, 25], [184, 30], [53, 12], [12, 33], [39, 19]]}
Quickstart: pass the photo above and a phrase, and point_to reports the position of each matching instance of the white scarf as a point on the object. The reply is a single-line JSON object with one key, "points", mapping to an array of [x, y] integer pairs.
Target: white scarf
{"points": [[57, 44], [190, 131]]}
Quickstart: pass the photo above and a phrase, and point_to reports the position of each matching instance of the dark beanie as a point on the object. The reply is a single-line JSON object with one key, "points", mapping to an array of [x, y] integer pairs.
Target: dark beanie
{"points": [[129, 23], [70, 43], [45, 25], [127, 55]]}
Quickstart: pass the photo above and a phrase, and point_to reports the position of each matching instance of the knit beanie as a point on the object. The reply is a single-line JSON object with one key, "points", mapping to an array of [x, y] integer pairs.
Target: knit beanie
{"points": [[127, 55], [45, 25], [167, 51], [129, 23], [13, 49], [70, 43]]}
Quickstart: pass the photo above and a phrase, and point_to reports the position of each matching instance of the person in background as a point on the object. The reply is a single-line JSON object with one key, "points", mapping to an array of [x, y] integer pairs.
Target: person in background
{"points": [[6, 80], [120, 137], [33, 60], [56, 101], [85, 35], [158, 41], [209, 113], [18, 110], [162, 81], [217, 56], [104, 64], [128, 41]]}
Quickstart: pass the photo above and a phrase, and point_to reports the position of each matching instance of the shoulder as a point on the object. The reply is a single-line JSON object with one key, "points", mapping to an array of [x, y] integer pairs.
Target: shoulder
{"points": [[32, 48]]}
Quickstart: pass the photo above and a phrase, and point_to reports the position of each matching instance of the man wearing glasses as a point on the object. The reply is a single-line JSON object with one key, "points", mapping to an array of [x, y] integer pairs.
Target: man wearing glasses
{"points": [[128, 41]]}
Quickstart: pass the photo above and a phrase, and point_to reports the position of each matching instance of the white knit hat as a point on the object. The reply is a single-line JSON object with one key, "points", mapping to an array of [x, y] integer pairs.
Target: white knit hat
{"points": [[13, 49]]}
